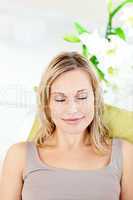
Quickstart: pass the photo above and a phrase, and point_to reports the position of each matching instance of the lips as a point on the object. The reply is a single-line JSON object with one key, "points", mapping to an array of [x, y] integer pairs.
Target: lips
{"points": [[72, 119]]}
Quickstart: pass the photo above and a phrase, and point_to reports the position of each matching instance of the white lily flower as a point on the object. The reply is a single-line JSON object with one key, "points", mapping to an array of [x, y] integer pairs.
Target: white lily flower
{"points": [[93, 41], [115, 60], [113, 56]]}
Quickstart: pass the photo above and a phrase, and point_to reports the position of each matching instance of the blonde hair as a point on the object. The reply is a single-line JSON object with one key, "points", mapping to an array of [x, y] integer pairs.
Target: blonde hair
{"points": [[66, 61]]}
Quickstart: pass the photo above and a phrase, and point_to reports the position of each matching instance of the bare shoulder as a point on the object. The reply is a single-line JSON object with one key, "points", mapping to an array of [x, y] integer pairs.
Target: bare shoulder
{"points": [[17, 150], [127, 175], [11, 177], [127, 151], [127, 147], [16, 154], [17, 147]]}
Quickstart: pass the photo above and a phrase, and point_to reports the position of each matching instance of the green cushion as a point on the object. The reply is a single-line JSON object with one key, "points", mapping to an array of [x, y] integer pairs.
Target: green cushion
{"points": [[119, 121]]}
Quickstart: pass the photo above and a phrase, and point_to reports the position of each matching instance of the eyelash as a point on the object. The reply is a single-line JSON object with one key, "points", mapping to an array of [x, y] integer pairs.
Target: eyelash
{"points": [[78, 98]]}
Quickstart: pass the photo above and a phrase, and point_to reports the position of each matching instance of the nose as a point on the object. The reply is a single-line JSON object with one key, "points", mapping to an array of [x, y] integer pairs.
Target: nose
{"points": [[72, 107]]}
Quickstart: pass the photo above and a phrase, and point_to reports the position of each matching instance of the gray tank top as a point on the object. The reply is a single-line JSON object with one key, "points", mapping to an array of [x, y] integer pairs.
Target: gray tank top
{"points": [[44, 182]]}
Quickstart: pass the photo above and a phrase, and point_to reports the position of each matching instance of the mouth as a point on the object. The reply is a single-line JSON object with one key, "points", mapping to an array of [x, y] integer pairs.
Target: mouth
{"points": [[73, 120]]}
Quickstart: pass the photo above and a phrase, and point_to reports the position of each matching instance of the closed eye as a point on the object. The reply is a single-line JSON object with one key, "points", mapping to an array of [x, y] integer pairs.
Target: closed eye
{"points": [[60, 100], [82, 98]]}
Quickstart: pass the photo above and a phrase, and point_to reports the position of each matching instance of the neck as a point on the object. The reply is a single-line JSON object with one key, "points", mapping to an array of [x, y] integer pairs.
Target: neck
{"points": [[69, 141]]}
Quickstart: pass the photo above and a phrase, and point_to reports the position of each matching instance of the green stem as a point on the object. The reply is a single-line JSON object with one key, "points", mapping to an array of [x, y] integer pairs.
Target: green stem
{"points": [[112, 14], [109, 27], [119, 7]]}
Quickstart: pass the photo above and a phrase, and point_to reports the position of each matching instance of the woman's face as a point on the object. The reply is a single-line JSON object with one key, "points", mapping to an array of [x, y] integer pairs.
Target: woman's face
{"points": [[72, 97]]}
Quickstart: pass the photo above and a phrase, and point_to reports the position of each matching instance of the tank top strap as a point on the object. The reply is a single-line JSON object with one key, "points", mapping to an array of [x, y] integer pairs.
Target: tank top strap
{"points": [[117, 156], [31, 154], [32, 163]]}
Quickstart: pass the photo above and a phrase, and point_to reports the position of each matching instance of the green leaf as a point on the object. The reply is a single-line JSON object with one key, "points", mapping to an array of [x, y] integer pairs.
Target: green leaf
{"points": [[80, 29], [99, 72], [112, 14], [94, 60], [120, 32], [72, 38], [101, 75], [85, 51]]}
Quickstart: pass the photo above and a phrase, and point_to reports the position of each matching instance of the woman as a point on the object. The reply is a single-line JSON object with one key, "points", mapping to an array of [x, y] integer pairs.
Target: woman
{"points": [[72, 156]]}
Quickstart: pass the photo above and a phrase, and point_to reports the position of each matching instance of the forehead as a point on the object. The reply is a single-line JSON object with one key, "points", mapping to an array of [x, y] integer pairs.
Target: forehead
{"points": [[71, 82]]}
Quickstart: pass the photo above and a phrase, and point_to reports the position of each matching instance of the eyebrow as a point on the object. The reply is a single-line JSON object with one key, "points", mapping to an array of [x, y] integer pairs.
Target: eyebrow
{"points": [[64, 94]]}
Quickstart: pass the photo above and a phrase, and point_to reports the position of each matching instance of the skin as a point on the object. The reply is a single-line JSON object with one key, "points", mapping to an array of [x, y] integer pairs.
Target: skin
{"points": [[70, 149], [69, 89]]}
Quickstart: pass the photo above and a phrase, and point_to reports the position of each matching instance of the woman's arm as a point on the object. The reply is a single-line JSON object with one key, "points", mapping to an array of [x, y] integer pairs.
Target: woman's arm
{"points": [[127, 177], [11, 181]]}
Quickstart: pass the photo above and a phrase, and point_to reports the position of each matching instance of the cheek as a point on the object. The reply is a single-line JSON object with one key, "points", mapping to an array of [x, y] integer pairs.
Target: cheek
{"points": [[89, 112], [55, 111]]}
